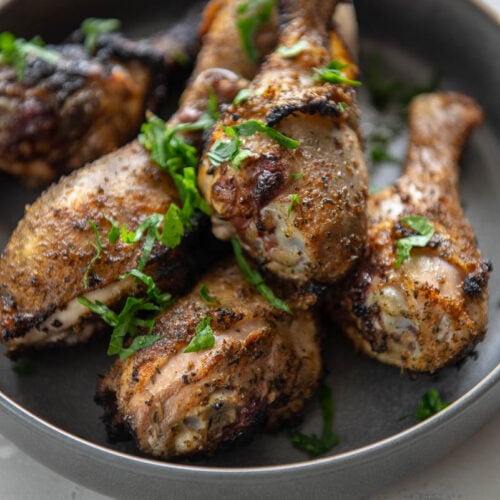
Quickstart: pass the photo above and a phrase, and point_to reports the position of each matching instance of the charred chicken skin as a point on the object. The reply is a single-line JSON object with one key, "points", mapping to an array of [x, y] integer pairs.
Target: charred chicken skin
{"points": [[432, 309], [263, 366], [43, 265], [299, 211], [60, 116]]}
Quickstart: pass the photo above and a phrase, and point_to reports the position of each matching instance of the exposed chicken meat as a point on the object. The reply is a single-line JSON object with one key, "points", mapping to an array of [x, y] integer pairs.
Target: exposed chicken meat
{"points": [[432, 309], [59, 117], [300, 212], [263, 366], [42, 267]]}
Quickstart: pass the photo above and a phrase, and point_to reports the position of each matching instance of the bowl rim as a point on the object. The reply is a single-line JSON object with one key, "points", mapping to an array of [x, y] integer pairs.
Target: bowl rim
{"points": [[344, 459]]}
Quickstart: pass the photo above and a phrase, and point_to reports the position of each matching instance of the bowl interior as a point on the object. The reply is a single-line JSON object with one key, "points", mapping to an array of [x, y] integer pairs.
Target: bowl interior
{"points": [[369, 397]]}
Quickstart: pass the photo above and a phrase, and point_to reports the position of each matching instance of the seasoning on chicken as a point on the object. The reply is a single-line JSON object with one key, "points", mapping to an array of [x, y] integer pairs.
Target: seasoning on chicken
{"points": [[44, 264], [299, 209], [263, 366], [60, 116], [418, 299]]}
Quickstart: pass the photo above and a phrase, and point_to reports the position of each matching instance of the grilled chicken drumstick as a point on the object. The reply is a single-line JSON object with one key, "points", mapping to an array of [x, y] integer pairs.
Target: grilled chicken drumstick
{"points": [[299, 211], [432, 309], [43, 265], [60, 116], [263, 366]]}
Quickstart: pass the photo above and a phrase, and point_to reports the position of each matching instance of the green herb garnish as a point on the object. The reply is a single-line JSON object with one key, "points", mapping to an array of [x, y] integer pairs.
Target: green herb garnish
{"points": [[98, 249], [255, 278], [205, 295], [315, 445], [294, 50], [24, 367], [425, 231], [204, 337], [17, 52], [385, 91], [430, 404], [136, 319], [332, 73], [379, 144], [250, 16], [297, 176], [294, 201], [242, 96], [93, 28], [231, 150]]}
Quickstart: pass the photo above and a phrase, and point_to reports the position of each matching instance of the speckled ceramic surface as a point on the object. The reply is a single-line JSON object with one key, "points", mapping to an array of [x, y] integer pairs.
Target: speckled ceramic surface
{"points": [[51, 415]]}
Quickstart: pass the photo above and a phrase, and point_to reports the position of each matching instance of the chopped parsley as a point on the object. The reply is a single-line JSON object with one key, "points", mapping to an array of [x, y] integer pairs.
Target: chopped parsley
{"points": [[385, 91], [430, 404], [231, 150], [294, 50], [205, 295], [297, 176], [98, 249], [315, 445], [24, 367], [204, 336], [425, 231], [332, 73], [250, 16], [255, 278], [93, 28], [136, 320], [378, 145], [294, 201], [17, 52], [242, 96]]}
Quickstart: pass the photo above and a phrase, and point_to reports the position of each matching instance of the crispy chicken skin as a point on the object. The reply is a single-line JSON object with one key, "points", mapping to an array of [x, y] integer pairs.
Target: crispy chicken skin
{"points": [[321, 234], [42, 267], [432, 310], [59, 117], [221, 40], [263, 366]]}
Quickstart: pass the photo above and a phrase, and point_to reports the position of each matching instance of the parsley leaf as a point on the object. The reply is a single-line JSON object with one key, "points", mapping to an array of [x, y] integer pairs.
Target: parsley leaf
{"points": [[332, 73], [205, 295], [425, 231], [430, 404], [242, 96], [250, 16], [255, 278], [93, 27], [315, 445], [294, 201], [294, 50], [17, 51], [98, 249], [204, 337], [379, 144], [231, 150], [136, 316]]}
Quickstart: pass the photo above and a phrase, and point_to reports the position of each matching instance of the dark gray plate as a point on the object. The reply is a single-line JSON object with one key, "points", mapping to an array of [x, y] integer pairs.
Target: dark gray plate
{"points": [[51, 416]]}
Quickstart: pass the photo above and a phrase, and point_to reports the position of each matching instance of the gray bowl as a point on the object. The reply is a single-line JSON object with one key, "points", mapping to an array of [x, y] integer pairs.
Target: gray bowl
{"points": [[51, 416]]}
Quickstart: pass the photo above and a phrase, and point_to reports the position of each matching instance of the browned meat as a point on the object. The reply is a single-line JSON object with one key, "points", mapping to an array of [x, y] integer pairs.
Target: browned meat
{"points": [[300, 212], [59, 117], [432, 309], [42, 268], [222, 41], [263, 366]]}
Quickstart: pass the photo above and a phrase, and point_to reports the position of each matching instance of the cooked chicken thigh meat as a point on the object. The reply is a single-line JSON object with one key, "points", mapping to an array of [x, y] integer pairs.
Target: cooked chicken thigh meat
{"points": [[262, 368], [432, 309], [299, 211]]}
